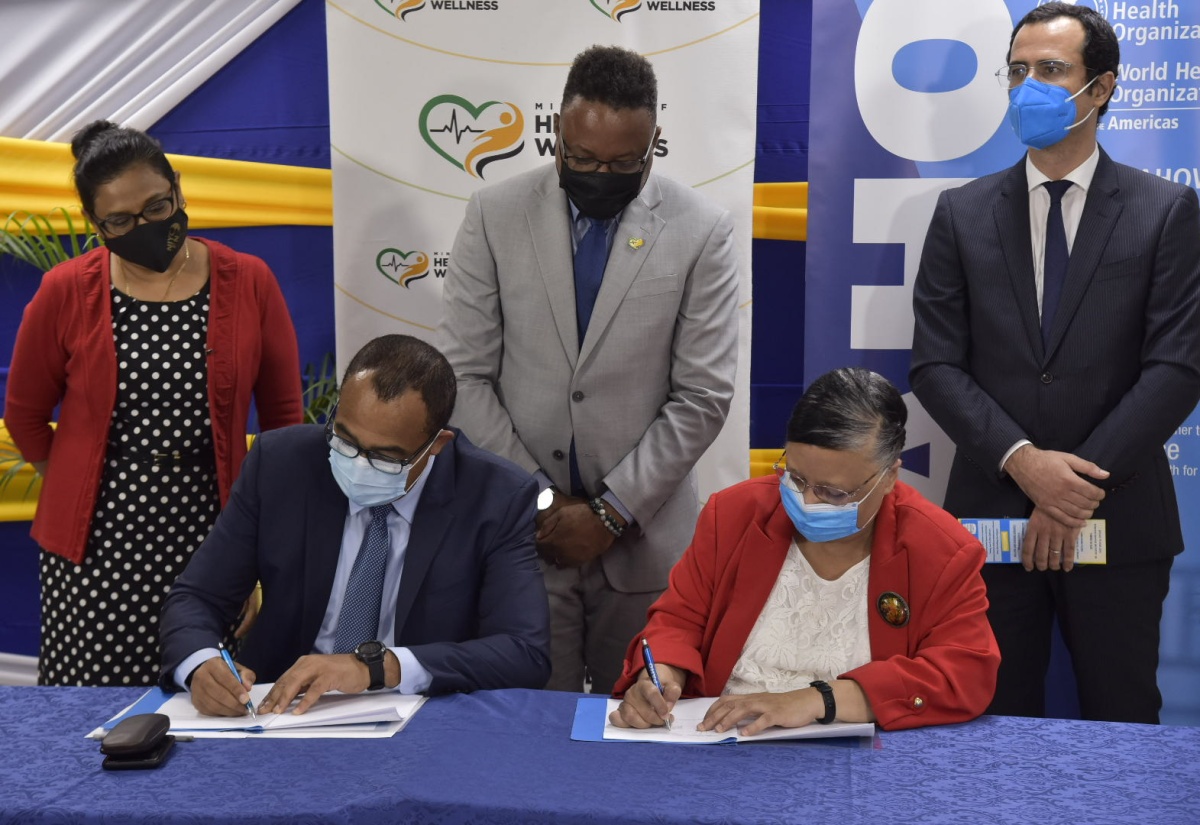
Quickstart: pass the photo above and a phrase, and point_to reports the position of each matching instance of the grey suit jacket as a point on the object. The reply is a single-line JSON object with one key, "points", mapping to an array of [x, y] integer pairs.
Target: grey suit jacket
{"points": [[1122, 368], [647, 390]]}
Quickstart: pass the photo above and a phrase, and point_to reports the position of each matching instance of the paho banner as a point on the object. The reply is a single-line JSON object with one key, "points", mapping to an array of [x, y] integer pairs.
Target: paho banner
{"points": [[904, 104], [431, 99]]}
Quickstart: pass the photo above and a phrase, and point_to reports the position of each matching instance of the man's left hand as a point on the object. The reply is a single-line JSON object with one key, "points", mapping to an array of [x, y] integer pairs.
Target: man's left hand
{"points": [[318, 674], [574, 535]]}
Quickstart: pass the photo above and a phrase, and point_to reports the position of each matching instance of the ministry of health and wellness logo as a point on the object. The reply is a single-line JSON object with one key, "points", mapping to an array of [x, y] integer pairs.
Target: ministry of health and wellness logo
{"points": [[616, 9], [401, 9], [401, 267], [472, 136]]}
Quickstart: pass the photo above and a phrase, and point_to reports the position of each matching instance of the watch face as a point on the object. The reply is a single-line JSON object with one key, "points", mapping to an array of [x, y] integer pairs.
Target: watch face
{"points": [[368, 650], [545, 498]]}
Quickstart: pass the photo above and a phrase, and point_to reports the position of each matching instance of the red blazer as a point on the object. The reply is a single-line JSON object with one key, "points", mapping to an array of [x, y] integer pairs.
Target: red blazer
{"points": [[65, 353], [938, 668]]}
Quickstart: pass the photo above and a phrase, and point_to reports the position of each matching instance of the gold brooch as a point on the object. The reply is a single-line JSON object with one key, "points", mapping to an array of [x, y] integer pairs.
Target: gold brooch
{"points": [[893, 608], [636, 243]]}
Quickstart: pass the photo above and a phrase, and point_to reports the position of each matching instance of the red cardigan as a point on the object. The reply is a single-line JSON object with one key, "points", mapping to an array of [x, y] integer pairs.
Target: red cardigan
{"points": [[939, 668], [65, 353]]}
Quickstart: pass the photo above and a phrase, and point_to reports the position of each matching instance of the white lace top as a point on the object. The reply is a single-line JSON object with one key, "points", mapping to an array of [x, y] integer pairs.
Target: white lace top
{"points": [[809, 629]]}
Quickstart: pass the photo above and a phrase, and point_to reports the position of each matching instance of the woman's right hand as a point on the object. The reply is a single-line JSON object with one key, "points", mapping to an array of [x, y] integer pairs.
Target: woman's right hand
{"points": [[643, 706]]}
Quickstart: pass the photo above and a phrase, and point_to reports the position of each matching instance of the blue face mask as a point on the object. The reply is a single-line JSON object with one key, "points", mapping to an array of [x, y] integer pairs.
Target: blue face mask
{"points": [[1042, 114], [824, 522], [363, 484]]}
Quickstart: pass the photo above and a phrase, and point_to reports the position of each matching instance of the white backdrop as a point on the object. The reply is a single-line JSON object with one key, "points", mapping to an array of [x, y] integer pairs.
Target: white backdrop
{"points": [[431, 100]]}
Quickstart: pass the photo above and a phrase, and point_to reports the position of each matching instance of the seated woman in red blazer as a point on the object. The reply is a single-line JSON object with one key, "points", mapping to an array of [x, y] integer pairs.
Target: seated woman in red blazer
{"points": [[829, 591]]}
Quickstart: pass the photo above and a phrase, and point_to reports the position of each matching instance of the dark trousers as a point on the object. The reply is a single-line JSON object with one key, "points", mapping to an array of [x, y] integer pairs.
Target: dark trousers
{"points": [[1109, 618]]}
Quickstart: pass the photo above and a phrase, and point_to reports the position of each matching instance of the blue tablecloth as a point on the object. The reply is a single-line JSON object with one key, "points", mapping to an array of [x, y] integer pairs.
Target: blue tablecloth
{"points": [[506, 756]]}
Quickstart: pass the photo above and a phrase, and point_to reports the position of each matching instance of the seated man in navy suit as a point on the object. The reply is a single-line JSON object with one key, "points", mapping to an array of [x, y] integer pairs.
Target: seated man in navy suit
{"points": [[392, 554]]}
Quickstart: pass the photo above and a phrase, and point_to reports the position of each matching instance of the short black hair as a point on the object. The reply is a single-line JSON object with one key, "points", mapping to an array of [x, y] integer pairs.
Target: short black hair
{"points": [[400, 363], [618, 78], [104, 151], [848, 409], [1101, 49]]}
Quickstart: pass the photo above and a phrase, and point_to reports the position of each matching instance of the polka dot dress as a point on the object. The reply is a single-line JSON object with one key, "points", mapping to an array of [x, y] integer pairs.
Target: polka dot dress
{"points": [[100, 618]]}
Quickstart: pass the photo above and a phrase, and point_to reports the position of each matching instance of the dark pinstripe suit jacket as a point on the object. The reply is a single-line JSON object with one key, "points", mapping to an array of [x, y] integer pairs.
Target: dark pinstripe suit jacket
{"points": [[1122, 369]]}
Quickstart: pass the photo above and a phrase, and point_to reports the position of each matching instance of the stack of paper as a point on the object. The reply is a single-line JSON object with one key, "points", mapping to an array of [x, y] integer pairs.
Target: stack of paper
{"points": [[335, 715], [592, 725]]}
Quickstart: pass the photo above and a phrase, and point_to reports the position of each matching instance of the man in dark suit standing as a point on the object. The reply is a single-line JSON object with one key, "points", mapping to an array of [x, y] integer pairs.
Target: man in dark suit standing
{"points": [[392, 554], [1058, 344]]}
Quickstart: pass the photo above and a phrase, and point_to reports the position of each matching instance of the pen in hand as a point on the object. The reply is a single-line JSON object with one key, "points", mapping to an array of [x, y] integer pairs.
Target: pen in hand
{"points": [[648, 658], [233, 668]]}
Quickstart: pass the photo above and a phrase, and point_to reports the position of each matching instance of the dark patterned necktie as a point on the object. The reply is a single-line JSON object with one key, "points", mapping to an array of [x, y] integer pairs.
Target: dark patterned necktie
{"points": [[358, 620], [1054, 268], [591, 255]]}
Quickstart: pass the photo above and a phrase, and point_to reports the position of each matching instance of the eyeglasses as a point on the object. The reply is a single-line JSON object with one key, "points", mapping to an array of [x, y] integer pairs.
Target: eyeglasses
{"points": [[827, 494], [1047, 71], [382, 463], [623, 167], [122, 222]]}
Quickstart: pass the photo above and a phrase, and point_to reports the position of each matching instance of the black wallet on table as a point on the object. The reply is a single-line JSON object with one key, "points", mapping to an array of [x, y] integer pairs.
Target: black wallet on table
{"points": [[139, 741]]}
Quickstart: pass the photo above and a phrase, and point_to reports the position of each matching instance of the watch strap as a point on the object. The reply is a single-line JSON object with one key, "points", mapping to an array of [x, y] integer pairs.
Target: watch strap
{"points": [[826, 692]]}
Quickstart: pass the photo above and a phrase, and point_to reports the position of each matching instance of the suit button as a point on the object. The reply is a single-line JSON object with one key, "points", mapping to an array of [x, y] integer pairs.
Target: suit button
{"points": [[558, 454], [918, 703], [577, 396], [1047, 378]]}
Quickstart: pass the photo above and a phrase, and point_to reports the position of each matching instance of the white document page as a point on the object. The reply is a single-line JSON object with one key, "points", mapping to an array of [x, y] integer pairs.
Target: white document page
{"points": [[688, 713]]}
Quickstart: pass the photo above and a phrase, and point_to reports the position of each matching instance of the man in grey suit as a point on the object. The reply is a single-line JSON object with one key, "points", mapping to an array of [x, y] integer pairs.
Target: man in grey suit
{"points": [[590, 318], [1058, 344]]}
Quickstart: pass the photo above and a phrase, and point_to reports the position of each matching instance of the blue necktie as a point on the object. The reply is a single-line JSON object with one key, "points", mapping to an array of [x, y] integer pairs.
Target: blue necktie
{"points": [[358, 620], [1054, 268], [590, 257]]}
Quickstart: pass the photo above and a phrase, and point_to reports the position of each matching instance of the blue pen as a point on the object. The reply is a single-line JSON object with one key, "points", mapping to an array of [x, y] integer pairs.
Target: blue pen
{"points": [[648, 658], [233, 669]]}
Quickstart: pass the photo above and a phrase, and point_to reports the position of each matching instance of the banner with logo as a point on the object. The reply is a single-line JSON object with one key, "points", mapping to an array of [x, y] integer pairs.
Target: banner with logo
{"points": [[432, 99], [904, 104]]}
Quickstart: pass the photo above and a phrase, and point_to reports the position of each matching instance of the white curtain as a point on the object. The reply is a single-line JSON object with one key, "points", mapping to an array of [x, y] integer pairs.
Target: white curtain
{"points": [[65, 63]]}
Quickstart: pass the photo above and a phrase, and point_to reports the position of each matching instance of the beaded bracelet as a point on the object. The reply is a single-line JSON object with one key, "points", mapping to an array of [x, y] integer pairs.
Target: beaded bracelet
{"points": [[606, 518]]}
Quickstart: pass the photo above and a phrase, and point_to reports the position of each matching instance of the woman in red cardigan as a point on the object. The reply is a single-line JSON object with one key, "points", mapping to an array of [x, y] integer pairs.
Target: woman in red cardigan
{"points": [[151, 347], [829, 591]]}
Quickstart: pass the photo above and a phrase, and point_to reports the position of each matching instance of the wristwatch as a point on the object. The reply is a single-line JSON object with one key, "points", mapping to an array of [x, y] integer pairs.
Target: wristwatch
{"points": [[371, 655], [830, 705], [545, 499]]}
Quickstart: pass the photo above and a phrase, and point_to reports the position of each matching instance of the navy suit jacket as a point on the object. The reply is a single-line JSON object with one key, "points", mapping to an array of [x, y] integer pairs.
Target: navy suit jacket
{"points": [[471, 604], [1122, 367]]}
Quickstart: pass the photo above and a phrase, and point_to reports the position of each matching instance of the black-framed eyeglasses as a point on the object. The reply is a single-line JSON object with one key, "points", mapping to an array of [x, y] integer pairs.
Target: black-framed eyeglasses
{"points": [[623, 167], [121, 223], [825, 493], [1047, 71], [382, 463]]}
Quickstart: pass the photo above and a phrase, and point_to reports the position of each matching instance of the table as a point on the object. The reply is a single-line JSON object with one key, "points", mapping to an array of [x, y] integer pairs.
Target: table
{"points": [[506, 757]]}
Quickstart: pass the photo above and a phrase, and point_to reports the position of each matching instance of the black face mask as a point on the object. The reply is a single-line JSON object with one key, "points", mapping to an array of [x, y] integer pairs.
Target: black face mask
{"points": [[599, 195], [152, 245]]}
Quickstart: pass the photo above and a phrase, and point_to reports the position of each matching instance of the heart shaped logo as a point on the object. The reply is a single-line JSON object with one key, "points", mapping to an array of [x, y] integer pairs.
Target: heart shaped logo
{"points": [[397, 267], [470, 136], [615, 10], [400, 8]]}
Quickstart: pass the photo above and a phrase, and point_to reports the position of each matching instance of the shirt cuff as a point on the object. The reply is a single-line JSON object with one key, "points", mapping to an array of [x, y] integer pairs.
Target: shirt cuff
{"points": [[184, 671], [1012, 450], [543, 481], [413, 677], [616, 504]]}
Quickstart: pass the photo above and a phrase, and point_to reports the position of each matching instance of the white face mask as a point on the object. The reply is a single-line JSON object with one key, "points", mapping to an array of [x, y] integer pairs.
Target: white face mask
{"points": [[366, 486]]}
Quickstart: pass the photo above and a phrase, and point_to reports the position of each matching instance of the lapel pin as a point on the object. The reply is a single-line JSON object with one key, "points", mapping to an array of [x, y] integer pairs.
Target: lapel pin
{"points": [[636, 243], [893, 608]]}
